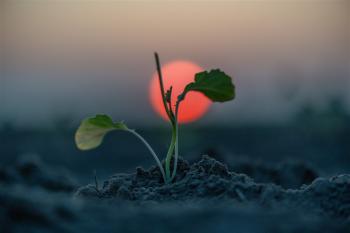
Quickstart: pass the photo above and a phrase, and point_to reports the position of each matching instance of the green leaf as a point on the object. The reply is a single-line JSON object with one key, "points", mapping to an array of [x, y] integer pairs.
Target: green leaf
{"points": [[215, 84], [91, 131]]}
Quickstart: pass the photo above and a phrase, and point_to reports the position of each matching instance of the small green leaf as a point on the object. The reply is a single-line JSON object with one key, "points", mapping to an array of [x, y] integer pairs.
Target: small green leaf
{"points": [[215, 84], [91, 131]]}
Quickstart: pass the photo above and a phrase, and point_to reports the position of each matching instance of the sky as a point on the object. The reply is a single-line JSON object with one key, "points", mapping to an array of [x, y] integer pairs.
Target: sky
{"points": [[72, 59]]}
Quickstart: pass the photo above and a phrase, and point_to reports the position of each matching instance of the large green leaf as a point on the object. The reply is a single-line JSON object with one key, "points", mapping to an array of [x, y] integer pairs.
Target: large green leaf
{"points": [[215, 84], [91, 131]]}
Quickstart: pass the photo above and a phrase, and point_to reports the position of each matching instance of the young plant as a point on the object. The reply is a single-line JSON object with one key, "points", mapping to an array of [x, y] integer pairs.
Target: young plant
{"points": [[215, 85]]}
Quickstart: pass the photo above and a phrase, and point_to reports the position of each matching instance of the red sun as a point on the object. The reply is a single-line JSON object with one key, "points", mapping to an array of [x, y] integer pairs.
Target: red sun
{"points": [[178, 74]]}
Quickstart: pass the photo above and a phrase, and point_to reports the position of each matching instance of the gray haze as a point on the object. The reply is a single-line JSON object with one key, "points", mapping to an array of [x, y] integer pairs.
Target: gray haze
{"points": [[74, 59]]}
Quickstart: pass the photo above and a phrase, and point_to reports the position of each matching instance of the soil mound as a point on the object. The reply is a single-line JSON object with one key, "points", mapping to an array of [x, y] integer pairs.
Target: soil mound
{"points": [[209, 179]]}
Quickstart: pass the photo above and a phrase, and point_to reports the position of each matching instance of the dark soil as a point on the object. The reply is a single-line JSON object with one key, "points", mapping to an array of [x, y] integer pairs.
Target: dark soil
{"points": [[209, 179], [205, 197]]}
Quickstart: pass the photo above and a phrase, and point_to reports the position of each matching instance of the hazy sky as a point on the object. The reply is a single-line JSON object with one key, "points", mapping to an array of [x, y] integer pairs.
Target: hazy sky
{"points": [[76, 58]]}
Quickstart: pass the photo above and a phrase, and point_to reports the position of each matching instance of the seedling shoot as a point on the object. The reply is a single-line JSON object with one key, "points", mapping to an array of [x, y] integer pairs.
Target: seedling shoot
{"points": [[214, 84]]}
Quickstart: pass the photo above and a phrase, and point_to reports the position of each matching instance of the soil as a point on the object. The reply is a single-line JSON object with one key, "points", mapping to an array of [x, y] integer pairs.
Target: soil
{"points": [[205, 197]]}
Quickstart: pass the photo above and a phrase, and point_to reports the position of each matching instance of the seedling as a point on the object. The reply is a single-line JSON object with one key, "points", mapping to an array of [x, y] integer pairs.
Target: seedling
{"points": [[215, 84]]}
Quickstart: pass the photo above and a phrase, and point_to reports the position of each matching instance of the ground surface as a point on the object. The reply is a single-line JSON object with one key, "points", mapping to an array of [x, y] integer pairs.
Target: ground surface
{"points": [[205, 197]]}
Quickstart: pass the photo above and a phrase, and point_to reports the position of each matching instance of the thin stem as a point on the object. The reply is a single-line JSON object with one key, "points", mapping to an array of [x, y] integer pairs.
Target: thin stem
{"points": [[176, 140], [151, 150], [170, 154], [170, 105], [176, 156], [171, 117], [162, 86], [171, 112]]}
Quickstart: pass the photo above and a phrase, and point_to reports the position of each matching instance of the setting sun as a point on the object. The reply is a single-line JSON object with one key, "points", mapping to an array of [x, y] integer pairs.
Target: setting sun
{"points": [[178, 74]]}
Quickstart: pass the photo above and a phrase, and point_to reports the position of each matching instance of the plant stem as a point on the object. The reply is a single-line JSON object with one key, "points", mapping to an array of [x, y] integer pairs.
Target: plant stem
{"points": [[162, 87], [151, 150], [169, 111], [176, 139], [170, 154]]}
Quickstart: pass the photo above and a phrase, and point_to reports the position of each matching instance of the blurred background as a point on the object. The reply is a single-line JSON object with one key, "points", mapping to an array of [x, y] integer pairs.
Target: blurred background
{"points": [[61, 61]]}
